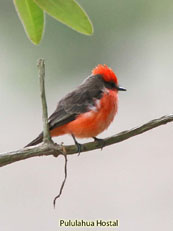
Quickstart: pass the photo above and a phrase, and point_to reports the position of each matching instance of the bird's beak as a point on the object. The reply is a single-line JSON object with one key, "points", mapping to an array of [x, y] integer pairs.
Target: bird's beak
{"points": [[121, 88]]}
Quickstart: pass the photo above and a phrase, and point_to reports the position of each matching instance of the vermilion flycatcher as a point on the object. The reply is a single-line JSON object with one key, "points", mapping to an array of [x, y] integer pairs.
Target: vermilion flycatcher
{"points": [[88, 110]]}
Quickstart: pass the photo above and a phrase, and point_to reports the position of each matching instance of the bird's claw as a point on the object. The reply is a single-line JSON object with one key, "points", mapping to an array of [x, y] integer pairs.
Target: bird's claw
{"points": [[100, 142], [79, 148], [78, 145]]}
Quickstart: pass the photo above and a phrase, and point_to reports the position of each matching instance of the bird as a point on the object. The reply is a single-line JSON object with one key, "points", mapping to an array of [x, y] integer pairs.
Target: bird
{"points": [[88, 110]]}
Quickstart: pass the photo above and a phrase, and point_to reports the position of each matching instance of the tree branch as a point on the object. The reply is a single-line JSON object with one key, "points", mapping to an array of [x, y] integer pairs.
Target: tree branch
{"points": [[53, 149], [46, 133]]}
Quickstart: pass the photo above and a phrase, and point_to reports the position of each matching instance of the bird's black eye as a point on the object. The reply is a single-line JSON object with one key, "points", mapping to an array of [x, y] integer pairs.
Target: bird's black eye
{"points": [[110, 85]]}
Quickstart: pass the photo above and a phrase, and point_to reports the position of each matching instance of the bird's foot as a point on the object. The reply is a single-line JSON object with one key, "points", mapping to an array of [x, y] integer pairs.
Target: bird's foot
{"points": [[101, 142], [78, 145]]}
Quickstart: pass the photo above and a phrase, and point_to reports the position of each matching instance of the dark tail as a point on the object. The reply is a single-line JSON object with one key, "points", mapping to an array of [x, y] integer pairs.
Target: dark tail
{"points": [[38, 140]]}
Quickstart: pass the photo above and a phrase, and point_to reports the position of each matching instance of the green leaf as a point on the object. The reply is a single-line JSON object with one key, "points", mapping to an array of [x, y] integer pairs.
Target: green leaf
{"points": [[68, 12], [32, 18]]}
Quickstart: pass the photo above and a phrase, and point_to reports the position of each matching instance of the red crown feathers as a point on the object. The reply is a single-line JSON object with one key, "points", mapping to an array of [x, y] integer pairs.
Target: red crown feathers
{"points": [[106, 72]]}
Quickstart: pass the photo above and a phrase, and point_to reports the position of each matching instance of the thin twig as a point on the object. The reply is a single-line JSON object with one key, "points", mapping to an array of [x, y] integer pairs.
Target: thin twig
{"points": [[46, 133], [51, 149], [65, 178]]}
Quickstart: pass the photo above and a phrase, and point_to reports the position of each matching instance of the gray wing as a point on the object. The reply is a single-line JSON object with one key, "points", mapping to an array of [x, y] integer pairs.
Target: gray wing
{"points": [[77, 101]]}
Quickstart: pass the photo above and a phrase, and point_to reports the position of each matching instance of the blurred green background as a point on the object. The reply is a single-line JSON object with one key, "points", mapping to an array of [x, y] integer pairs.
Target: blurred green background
{"points": [[130, 181]]}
